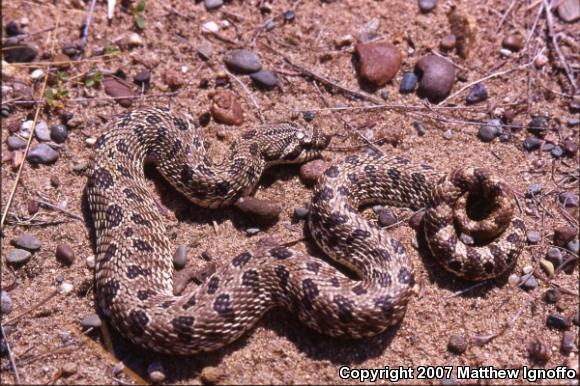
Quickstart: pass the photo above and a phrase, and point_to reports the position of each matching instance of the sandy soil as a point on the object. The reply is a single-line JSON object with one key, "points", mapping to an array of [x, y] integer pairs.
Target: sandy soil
{"points": [[280, 350]]}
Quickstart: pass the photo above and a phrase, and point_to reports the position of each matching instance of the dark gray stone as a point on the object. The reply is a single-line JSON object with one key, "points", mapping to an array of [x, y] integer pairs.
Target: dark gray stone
{"points": [[15, 143], [180, 257], [477, 94], [264, 78], [42, 154], [59, 133], [427, 5], [408, 83], [243, 61], [18, 256], [28, 242], [490, 130]]}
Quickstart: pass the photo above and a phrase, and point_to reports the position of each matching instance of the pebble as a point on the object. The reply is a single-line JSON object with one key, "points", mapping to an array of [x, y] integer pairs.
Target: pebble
{"points": [[448, 134], [538, 350], [534, 190], [32, 207], [309, 116], [180, 257], [134, 40], [547, 266], [477, 94], [262, 210], [532, 143], [538, 126], [571, 122], [527, 269], [26, 128], [573, 246], [143, 77], [69, 369], [557, 152], [558, 322], [18, 256], [12, 29], [90, 261], [448, 42], [300, 213], [15, 51], [416, 219], [568, 342], [513, 43], [505, 52], [563, 235], [436, 77], [65, 254], [427, 5], [552, 295], [205, 49], [15, 143], [466, 239], [174, 79], [264, 78], [571, 147], [36, 74], [211, 375], [289, 16], [540, 61], [66, 287], [386, 217], [311, 171], [252, 231], [91, 321], [210, 26], [378, 62], [54, 181], [226, 109], [457, 344], [243, 61], [79, 166], [27, 241], [117, 88], [554, 256], [5, 303], [41, 131], [368, 31], [569, 10], [490, 130], [408, 83], [58, 133], [155, 370], [514, 279], [421, 131], [530, 284], [90, 141]]}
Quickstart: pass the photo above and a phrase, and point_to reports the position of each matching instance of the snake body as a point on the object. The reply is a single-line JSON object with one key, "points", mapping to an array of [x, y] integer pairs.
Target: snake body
{"points": [[134, 270]]}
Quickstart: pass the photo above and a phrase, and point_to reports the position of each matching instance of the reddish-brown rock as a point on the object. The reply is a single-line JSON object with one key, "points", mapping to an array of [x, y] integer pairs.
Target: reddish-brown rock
{"points": [[379, 62], [226, 109], [436, 77]]}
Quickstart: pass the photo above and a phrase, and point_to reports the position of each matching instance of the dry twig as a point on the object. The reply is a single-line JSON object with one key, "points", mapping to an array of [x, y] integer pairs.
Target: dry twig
{"points": [[10, 356]]}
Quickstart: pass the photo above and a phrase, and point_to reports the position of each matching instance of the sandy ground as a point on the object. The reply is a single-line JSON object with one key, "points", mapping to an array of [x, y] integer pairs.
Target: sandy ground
{"points": [[280, 350]]}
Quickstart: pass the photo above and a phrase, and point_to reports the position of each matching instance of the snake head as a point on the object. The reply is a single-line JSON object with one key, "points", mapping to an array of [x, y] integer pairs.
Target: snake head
{"points": [[291, 144]]}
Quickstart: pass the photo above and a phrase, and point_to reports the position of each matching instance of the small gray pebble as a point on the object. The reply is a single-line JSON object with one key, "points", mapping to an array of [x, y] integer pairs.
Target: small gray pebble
{"points": [[421, 131], [42, 154], [533, 237], [213, 4], [266, 79], [156, 372], [41, 131], [457, 344], [427, 5], [243, 61], [553, 295], [5, 303], [59, 133], [408, 83], [548, 147], [532, 143], [448, 134], [538, 126], [558, 321], [92, 320], [530, 284], [387, 217], [252, 231], [490, 130], [573, 246], [557, 152], [571, 122], [15, 143], [385, 94], [554, 256], [534, 190], [205, 49], [180, 257], [477, 94], [27, 241], [300, 213], [18, 256], [568, 199], [69, 369]]}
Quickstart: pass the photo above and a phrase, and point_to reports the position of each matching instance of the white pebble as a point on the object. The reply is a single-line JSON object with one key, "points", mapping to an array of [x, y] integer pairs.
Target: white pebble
{"points": [[514, 279], [210, 26], [27, 126], [505, 52], [90, 141], [36, 74], [540, 61], [8, 70], [66, 287], [62, 205], [135, 39], [91, 261], [527, 269], [184, 69]]}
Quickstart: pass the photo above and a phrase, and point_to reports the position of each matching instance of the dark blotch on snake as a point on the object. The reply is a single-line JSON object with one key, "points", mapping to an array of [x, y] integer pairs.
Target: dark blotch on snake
{"points": [[122, 146], [109, 290], [138, 320], [110, 252], [359, 290], [223, 306], [241, 259], [128, 232], [101, 179], [280, 253], [313, 266], [189, 303], [101, 141], [142, 245], [345, 307], [283, 275], [332, 172], [183, 327], [405, 276], [213, 284], [114, 215], [251, 279], [310, 292]]}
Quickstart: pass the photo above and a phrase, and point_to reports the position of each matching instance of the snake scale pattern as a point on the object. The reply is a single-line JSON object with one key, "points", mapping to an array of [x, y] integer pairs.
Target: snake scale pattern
{"points": [[134, 268]]}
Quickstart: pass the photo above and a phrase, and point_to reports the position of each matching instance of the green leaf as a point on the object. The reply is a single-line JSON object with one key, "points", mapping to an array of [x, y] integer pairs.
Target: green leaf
{"points": [[49, 94], [139, 21], [140, 7], [89, 82]]}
